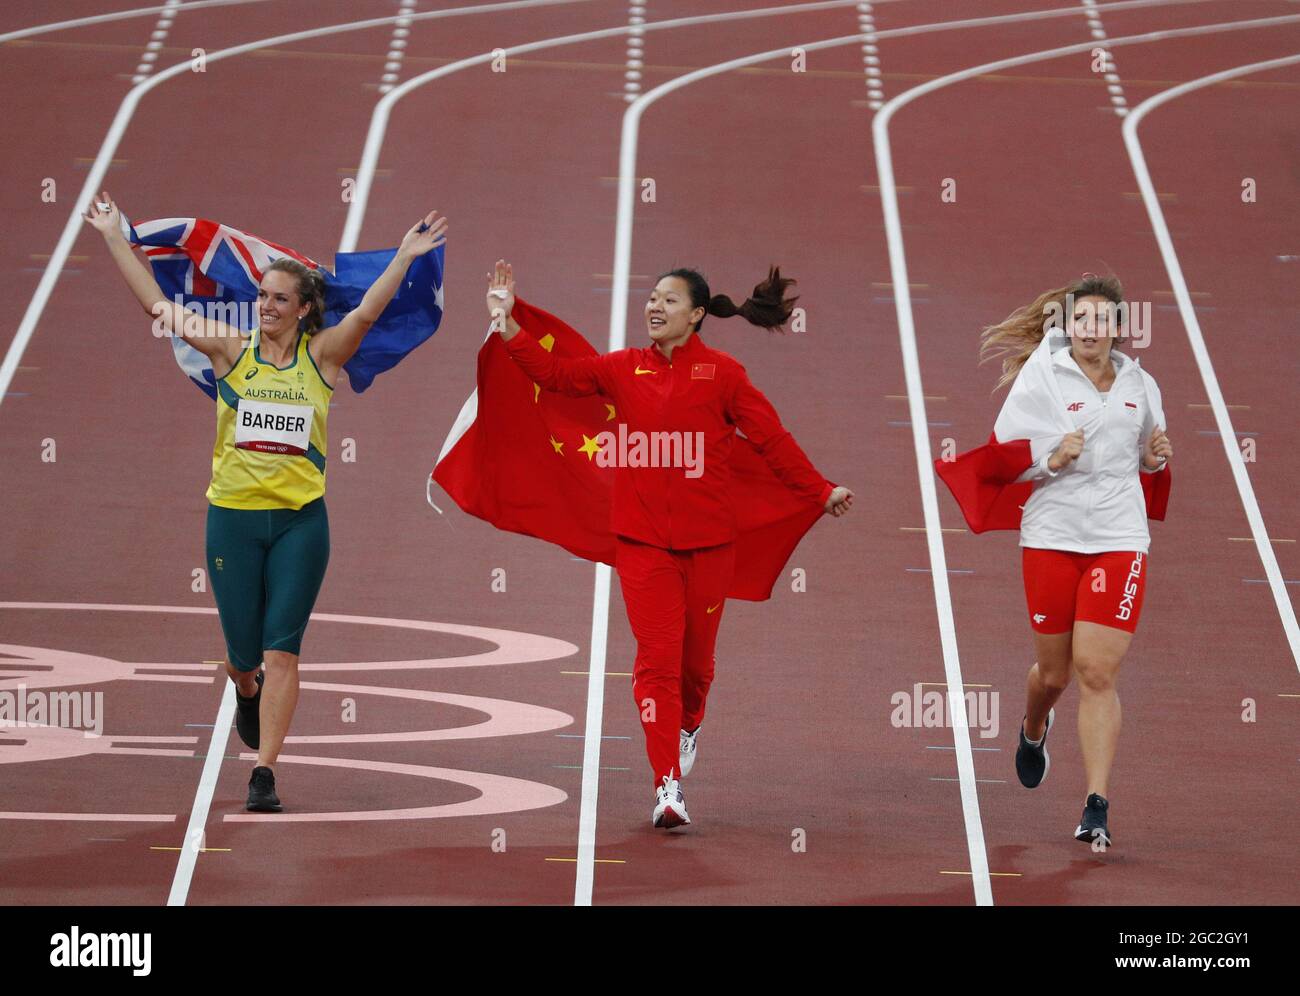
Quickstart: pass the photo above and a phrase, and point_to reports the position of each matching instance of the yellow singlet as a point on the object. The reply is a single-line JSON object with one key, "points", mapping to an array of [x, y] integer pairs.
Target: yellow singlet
{"points": [[271, 443]]}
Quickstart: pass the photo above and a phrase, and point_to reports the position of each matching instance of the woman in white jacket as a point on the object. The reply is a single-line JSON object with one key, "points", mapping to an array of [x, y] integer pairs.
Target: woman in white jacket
{"points": [[1094, 422]]}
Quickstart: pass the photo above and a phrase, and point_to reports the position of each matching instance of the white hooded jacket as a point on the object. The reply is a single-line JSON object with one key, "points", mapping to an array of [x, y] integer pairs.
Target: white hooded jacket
{"points": [[1095, 504]]}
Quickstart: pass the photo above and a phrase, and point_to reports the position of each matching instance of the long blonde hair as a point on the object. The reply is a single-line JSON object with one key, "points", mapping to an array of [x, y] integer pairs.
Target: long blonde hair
{"points": [[1014, 339]]}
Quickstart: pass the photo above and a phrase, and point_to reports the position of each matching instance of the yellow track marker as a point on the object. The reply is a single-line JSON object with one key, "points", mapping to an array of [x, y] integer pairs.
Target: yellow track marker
{"points": [[1251, 539], [204, 850], [927, 397], [921, 529], [608, 674], [599, 861]]}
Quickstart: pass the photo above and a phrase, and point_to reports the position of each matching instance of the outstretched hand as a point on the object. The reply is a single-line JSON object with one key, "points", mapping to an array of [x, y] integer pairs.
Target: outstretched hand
{"points": [[501, 292], [106, 222], [428, 233]]}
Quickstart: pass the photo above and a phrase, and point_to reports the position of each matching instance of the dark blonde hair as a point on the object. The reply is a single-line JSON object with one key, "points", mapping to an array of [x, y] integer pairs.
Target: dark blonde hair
{"points": [[1014, 339], [310, 286]]}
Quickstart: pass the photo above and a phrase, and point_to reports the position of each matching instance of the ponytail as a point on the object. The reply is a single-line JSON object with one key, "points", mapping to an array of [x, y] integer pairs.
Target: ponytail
{"points": [[767, 307]]}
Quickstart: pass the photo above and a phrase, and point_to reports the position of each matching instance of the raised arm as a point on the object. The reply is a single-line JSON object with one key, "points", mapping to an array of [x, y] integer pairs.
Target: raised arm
{"points": [[334, 346], [216, 340], [749, 409], [574, 376]]}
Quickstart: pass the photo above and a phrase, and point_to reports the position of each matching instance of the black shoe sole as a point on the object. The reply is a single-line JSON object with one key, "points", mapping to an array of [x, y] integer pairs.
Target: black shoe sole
{"points": [[263, 806]]}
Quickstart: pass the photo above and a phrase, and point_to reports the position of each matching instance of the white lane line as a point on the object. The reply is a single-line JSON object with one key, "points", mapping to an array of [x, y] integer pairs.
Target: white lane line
{"points": [[585, 874], [1221, 417], [397, 46], [150, 54], [871, 56], [126, 110], [1114, 89], [635, 53], [975, 845], [193, 842], [121, 15]]}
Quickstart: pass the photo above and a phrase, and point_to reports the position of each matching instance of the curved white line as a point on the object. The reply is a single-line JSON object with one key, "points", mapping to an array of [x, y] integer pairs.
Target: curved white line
{"points": [[1263, 545], [121, 15], [916, 397], [126, 110]]}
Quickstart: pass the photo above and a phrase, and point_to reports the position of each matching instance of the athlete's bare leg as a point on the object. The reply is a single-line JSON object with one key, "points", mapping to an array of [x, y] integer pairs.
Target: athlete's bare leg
{"points": [[1048, 678], [1098, 651], [279, 698]]}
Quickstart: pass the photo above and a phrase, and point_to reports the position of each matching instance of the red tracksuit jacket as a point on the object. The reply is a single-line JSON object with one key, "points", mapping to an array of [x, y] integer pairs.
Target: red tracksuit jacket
{"points": [[700, 390]]}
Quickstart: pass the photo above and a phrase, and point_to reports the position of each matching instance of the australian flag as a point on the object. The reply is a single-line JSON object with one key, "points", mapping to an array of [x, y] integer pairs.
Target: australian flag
{"points": [[205, 262]]}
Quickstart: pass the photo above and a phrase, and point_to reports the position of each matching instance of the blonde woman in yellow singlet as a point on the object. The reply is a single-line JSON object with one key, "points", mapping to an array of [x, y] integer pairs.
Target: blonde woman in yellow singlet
{"points": [[267, 530]]}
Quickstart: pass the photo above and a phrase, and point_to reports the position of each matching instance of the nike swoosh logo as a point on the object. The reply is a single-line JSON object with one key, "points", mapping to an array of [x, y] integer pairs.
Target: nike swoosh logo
{"points": [[714, 609], [640, 371]]}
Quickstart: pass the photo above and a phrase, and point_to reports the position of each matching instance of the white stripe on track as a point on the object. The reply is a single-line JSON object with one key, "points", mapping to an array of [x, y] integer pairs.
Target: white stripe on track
{"points": [[194, 830], [1185, 308], [121, 15]]}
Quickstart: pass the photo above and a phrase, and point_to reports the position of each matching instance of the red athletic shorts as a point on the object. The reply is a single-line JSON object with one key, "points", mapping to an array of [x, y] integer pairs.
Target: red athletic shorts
{"points": [[1063, 588]]}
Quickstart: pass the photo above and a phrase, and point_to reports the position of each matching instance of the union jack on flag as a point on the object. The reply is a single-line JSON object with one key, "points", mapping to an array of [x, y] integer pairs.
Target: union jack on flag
{"points": [[204, 263]]}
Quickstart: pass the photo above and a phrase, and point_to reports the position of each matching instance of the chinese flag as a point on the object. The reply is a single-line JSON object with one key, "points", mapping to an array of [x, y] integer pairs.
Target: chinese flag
{"points": [[512, 460]]}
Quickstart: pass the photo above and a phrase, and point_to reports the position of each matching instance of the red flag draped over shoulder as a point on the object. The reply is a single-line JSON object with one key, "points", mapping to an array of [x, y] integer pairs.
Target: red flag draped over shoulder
{"points": [[983, 480], [513, 459]]}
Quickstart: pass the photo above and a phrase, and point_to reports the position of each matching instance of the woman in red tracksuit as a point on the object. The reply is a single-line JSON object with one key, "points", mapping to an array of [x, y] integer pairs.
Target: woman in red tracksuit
{"points": [[675, 529]]}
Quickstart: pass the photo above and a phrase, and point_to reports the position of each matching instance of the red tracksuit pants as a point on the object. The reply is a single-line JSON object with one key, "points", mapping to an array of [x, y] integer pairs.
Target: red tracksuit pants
{"points": [[675, 600]]}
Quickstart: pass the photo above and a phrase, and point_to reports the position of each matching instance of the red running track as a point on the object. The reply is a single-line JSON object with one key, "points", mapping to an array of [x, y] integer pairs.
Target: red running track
{"points": [[750, 167]]}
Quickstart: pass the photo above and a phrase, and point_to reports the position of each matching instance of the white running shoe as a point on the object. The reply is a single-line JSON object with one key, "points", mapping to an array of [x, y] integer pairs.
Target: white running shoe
{"points": [[670, 807], [686, 751]]}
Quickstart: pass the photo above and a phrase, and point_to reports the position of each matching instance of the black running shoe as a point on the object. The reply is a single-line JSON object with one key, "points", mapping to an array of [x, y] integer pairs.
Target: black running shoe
{"points": [[1092, 825], [261, 792], [1032, 762], [247, 716]]}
